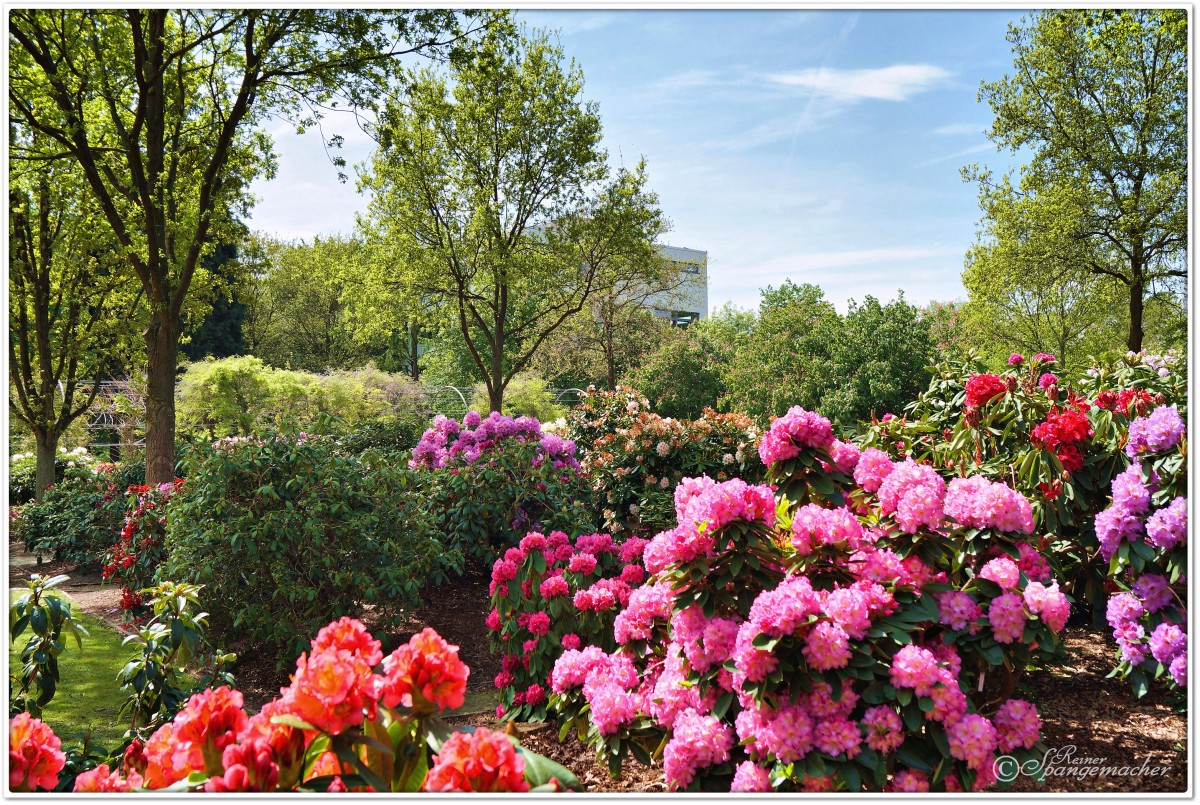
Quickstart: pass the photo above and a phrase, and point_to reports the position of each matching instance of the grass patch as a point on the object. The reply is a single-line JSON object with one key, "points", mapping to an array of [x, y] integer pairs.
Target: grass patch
{"points": [[88, 696]]}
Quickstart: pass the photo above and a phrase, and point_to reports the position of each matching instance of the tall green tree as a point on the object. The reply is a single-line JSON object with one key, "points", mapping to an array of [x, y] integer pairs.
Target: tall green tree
{"points": [[158, 108], [68, 304], [484, 186], [1099, 99]]}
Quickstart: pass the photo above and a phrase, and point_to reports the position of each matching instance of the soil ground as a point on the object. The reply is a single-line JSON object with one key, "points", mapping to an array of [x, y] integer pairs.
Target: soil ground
{"points": [[1100, 718]]}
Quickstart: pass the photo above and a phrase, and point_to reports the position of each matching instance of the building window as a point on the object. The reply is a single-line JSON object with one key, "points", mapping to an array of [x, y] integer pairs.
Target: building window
{"points": [[691, 268]]}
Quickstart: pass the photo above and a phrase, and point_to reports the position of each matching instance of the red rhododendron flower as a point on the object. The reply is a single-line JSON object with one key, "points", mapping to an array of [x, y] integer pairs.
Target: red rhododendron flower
{"points": [[982, 389], [479, 761], [35, 754], [425, 674], [1071, 458], [287, 743], [166, 761]]}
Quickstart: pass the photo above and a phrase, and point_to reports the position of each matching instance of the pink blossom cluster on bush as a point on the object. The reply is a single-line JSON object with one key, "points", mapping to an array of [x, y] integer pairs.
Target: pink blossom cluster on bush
{"points": [[804, 654], [550, 594], [447, 442]]}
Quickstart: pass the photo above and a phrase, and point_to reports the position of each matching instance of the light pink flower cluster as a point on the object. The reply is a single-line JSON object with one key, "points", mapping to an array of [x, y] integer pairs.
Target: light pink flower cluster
{"points": [[647, 606], [697, 741], [814, 525], [707, 642], [872, 468], [1006, 614], [703, 510], [845, 457], [913, 493], [1002, 571], [793, 431], [1048, 603], [977, 502]]}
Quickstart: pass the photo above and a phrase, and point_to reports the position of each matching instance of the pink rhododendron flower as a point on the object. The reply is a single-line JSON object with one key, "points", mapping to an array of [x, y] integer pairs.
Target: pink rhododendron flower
{"points": [[1017, 725], [35, 754], [425, 674], [972, 739], [248, 766], [914, 667], [792, 431], [478, 761], [696, 741], [913, 493], [885, 731], [210, 721], [1049, 604], [1006, 614], [1002, 571], [909, 781], [102, 780], [957, 610], [750, 777], [827, 647], [872, 468]]}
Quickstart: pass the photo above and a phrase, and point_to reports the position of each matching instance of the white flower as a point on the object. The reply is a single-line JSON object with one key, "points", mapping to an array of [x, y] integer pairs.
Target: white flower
{"points": [[633, 509], [631, 407], [663, 449], [665, 482], [727, 458], [1163, 371]]}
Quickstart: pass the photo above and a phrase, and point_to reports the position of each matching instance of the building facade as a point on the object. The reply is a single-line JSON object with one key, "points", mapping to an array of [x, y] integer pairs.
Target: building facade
{"points": [[688, 302]]}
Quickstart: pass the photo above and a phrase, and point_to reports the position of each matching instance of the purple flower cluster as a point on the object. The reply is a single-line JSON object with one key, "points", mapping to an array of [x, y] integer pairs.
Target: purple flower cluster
{"points": [[1159, 431], [449, 442]]}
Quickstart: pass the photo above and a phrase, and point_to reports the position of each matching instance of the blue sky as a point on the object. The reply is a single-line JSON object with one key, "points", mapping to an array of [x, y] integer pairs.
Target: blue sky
{"points": [[820, 146]]}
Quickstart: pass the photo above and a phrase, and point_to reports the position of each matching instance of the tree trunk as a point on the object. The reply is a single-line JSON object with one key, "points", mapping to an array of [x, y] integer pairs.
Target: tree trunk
{"points": [[47, 448], [415, 368], [162, 347], [1136, 292], [496, 396], [610, 359]]}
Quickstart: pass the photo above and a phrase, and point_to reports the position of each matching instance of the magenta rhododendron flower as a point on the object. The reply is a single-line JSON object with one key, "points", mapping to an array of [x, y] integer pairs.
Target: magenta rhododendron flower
{"points": [[913, 493], [872, 468], [885, 730], [750, 777], [1017, 725], [973, 739], [792, 431], [696, 741]]}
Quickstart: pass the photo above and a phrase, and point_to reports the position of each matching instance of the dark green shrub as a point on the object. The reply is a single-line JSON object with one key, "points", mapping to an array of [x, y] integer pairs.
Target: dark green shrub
{"points": [[78, 519], [389, 434], [287, 534]]}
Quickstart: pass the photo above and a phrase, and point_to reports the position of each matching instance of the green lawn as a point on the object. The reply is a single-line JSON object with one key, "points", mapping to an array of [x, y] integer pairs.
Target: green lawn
{"points": [[88, 696]]}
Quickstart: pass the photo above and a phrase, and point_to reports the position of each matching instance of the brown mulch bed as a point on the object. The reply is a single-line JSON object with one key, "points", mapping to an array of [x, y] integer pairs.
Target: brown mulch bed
{"points": [[1079, 707]]}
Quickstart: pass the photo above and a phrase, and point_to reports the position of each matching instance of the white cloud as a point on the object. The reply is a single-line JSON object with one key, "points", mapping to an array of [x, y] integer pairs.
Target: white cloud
{"points": [[895, 83], [975, 149]]}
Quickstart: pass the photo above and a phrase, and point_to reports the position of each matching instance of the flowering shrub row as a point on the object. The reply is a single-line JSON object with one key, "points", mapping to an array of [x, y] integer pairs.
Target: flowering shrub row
{"points": [[550, 594], [1143, 536], [351, 719], [77, 519], [634, 457], [487, 480], [22, 471], [847, 628], [1057, 442]]}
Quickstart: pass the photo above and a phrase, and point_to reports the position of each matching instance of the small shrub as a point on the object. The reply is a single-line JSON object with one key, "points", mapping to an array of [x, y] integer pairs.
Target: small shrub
{"points": [[77, 519], [635, 458], [48, 619], [387, 434], [285, 532], [22, 471], [140, 547], [490, 479], [527, 395]]}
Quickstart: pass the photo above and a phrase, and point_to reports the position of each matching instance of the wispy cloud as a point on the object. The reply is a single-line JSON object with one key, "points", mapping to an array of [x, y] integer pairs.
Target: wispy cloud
{"points": [[896, 83], [955, 129], [975, 149]]}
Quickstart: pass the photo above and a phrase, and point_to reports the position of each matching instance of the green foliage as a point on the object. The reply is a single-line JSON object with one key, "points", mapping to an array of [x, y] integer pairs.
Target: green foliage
{"points": [[507, 273], [1100, 99], [77, 519], [801, 352], [527, 395], [47, 618], [681, 377], [240, 396], [285, 534], [219, 332], [156, 679], [22, 471]]}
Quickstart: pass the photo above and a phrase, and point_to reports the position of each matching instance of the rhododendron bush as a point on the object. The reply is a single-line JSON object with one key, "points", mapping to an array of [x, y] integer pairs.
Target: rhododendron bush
{"points": [[634, 458], [488, 480], [1143, 536], [285, 532], [351, 719], [550, 594], [1059, 441], [853, 626], [140, 547], [78, 517]]}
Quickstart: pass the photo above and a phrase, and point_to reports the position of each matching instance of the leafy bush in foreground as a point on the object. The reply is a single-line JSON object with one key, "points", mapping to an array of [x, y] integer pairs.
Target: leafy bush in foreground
{"points": [[284, 533]]}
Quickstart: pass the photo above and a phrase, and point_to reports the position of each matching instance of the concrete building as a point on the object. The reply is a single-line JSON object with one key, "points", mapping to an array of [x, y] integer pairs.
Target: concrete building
{"points": [[689, 301]]}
